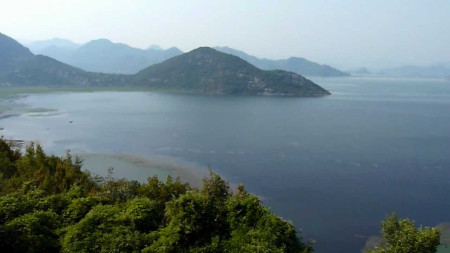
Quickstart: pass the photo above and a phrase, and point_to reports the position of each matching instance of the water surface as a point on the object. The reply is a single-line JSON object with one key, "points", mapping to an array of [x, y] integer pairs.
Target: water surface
{"points": [[335, 165]]}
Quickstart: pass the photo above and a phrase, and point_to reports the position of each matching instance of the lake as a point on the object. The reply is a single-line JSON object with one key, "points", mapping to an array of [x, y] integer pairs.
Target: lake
{"points": [[334, 166]]}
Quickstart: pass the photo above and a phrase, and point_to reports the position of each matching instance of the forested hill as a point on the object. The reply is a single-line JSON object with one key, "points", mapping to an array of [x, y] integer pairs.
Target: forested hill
{"points": [[203, 70], [48, 204], [206, 70]]}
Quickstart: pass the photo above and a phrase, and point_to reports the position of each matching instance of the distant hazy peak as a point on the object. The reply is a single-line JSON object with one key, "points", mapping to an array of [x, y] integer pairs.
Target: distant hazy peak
{"points": [[100, 41], [233, 51], [55, 41], [40, 46], [174, 49], [296, 64], [227, 48], [154, 47], [298, 59]]}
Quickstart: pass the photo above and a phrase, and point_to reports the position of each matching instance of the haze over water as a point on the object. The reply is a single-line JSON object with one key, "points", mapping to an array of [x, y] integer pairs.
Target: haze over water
{"points": [[333, 165]]}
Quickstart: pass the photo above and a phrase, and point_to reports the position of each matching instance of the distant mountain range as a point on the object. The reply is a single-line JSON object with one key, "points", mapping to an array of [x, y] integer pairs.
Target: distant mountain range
{"points": [[18, 66], [38, 47], [203, 70], [105, 56], [295, 64]]}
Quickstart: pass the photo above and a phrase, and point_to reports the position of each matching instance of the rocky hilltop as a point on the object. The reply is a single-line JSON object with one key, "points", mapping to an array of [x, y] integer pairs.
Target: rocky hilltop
{"points": [[206, 70]]}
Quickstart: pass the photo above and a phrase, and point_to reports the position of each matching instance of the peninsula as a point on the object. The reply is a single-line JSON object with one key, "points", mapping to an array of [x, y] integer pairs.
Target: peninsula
{"points": [[201, 71]]}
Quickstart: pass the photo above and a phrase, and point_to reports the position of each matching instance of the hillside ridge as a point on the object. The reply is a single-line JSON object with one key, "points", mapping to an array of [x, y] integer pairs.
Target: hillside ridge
{"points": [[203, 70]]}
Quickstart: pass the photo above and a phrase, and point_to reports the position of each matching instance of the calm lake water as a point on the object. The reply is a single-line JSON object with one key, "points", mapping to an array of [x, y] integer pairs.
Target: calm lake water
{"points": [[335, 165]]}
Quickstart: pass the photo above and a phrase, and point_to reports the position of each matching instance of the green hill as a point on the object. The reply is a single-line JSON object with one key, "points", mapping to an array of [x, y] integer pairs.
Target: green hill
{"points": [[205, 70]]}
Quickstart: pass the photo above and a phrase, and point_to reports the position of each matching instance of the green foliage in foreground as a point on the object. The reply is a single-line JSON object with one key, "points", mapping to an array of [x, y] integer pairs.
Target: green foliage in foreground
{"points": [[402, 236], [47, 204]]}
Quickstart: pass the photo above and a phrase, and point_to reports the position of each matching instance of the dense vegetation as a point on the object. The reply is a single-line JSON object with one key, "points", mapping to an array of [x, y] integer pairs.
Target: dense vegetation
{"points": [[205, 70], [402, 236], [48, 204]]}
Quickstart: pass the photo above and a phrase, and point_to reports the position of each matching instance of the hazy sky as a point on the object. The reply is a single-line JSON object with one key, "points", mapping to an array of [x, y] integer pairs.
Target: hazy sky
{"points": [[343, 33]]}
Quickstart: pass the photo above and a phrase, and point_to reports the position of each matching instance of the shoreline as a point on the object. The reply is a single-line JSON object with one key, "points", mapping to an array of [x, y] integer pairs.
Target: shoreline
{"points": [[141, 168], [148, 166]]}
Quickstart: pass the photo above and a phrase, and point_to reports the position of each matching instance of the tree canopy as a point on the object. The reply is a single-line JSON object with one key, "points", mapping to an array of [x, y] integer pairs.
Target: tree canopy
{"points": [[48, 204], [402, 236]]}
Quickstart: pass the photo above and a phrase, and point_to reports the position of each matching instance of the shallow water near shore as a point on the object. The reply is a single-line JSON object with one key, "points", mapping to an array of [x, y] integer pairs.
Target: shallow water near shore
{"points": [[334, 165], [140, 169]]}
